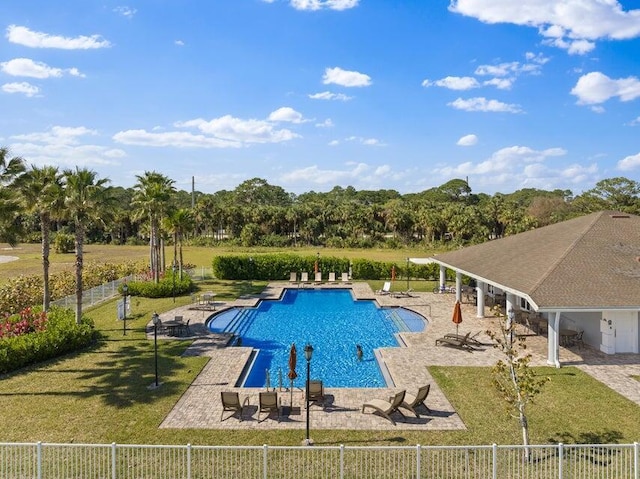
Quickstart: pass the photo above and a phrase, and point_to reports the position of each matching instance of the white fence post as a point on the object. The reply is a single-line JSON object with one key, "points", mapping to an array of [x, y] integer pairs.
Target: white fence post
{"points": [[188, 461], [560, 455], [341, 461], [636, 460], [494, 450], [264, 461], [418, 454], [114, 475], [39, 460]]}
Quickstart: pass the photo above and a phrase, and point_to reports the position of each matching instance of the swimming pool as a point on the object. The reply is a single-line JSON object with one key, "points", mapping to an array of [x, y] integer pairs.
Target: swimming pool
{"points": [[328, 319]]}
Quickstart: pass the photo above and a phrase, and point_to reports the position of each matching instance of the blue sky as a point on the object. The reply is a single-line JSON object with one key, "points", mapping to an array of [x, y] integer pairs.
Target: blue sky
{"points": [[310, 94]]}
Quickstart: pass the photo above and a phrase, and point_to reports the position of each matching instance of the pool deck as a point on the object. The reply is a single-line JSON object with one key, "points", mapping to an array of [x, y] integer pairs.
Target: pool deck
{"points": [[200, 407]]}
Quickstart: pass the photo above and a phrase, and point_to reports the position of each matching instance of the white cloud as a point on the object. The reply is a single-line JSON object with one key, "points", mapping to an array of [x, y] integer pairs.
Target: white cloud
{"points": [[629, 163], [467, 140], [360, 174], [286, 114], [327, 95], [323, 4], [635, 122], [328, 123], [127, 12], [223, 132], [482, 104], [569, 24], [25, 88], [346, 78], [454, 83], [334, 142], [29, 38], [25, 67], [64, 146], [358, 139], [180, 43], [596, 87], [500, 83]]}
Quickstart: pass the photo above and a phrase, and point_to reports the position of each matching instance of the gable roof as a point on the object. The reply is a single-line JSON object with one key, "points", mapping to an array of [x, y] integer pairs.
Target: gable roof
{"points": [[590, 262]]}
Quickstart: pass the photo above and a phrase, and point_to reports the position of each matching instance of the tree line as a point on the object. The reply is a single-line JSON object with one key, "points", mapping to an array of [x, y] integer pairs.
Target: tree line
{"points": [[38, 202]]}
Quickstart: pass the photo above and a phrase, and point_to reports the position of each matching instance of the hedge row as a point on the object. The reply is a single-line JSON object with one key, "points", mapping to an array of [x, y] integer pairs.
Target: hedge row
{"points": [[277, 266], [165, 288], [61, 335]]}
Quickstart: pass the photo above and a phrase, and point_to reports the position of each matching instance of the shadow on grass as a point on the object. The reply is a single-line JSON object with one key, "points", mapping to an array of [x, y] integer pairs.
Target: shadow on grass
{"points": [[603, 437]]}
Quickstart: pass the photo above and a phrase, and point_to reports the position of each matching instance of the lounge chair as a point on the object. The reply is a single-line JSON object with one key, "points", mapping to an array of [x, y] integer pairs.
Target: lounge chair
{"points": [[471, 340], [231, 402], [411, 402], [315, 393], [304, 277], [386, 288], [456, 342], [293, 277], [345, 278], [332, 278], [318, 279], [386, 408], [404, 294], [269, 402]]}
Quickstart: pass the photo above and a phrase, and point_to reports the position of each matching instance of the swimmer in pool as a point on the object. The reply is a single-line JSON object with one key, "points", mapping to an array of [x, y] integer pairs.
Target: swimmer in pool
{"points": [[359, 352]]}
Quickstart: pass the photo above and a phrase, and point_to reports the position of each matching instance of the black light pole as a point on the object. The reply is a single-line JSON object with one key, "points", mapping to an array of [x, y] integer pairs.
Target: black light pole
{"points": [[407, 274], [125, 290], [251, 271], [156, 321], [308, 352], [173, 287]]}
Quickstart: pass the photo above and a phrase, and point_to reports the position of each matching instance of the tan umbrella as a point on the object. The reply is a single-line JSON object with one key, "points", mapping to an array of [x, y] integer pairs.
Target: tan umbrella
{"points": [[457, 315], [293, 359], [393, 272]]}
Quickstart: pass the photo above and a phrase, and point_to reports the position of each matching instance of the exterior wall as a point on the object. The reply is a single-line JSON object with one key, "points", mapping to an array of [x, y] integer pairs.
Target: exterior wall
{"points": [[587, 322]]}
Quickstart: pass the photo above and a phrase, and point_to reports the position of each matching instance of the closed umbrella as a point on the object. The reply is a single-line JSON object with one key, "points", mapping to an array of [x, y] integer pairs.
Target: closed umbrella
{"points": [[393, 272], [457, 315], [293, 358]]}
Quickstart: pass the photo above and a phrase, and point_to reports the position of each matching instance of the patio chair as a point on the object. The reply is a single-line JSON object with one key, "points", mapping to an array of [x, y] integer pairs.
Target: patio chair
{"points": [[471, 340], [318, 278], [386, 288], [184, 328], [231, 402], [332, 278], [269, 402], [304, 277], [345, 278], [293, 277], [411, 402], [456, 342], [315, 393], [386, 408]]}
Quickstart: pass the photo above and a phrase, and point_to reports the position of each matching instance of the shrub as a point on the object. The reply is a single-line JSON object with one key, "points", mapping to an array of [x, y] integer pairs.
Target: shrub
{"points": [[61, 335], [164, 288], [64, 243]]}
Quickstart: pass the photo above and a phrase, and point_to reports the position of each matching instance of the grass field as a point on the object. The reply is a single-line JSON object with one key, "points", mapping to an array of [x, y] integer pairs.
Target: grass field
{"points": [[101, 395]]}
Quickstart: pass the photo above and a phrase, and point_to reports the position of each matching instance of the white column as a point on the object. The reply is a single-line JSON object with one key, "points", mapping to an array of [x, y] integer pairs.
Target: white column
{"points": [[553, 343], [443, 277], [458, 286], [480, 295], [510, 303]]}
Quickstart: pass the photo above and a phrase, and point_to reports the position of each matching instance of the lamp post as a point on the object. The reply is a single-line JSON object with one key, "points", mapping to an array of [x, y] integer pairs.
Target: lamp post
{"points": [[308, 353], [251, 271], [156, 322], [407, 274], [125, 290], [174, 267]]}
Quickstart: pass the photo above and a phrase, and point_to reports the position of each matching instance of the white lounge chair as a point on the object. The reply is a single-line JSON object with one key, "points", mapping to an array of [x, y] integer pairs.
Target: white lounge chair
{"points": [[345, 278], [386, 288], [332, 278], [293, 277], [304, 277], [318, 278]]}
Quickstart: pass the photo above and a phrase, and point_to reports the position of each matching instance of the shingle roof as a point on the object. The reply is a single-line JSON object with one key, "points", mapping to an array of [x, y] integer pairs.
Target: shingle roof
{"points": [[590, 262]]}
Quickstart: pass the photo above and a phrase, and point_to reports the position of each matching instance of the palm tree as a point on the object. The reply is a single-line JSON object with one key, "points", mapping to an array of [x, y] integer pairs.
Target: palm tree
{"points": [[151, 196], [42, 193], [86, 199], [10, 169], [178, 223]]}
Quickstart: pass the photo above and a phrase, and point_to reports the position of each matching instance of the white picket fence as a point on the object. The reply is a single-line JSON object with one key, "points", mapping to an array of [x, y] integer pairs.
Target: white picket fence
{"points": [[118, 461], [94, 295]]}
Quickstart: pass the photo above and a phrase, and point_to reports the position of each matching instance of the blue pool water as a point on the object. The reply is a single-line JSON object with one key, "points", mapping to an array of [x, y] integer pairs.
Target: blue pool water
{"points": [[332, 322]]}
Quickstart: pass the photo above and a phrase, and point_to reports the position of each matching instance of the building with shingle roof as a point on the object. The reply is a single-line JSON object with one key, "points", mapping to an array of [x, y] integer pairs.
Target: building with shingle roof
{"points": [[582, 274]]}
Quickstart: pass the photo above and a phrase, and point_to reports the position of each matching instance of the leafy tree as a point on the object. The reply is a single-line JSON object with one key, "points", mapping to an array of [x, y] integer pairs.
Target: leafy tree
{"points": [[42, 193], [85, 200], [179, 222], [619, 194], [513, 377], [10, 169]]}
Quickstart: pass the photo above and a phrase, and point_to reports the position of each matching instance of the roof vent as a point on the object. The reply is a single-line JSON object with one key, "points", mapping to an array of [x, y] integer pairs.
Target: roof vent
{"points": [[620, 216]]}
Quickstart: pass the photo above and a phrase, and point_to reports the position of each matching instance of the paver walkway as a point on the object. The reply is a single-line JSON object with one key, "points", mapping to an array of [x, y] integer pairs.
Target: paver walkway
{"points": [[200, 406]]}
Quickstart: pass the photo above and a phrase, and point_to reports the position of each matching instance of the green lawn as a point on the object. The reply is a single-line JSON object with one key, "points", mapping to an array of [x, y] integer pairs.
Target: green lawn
{"points": [[102, 396]]}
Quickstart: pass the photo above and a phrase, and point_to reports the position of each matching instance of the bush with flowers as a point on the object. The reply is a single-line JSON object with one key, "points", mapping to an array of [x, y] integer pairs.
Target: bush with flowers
{"points": [[32, 336]]}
